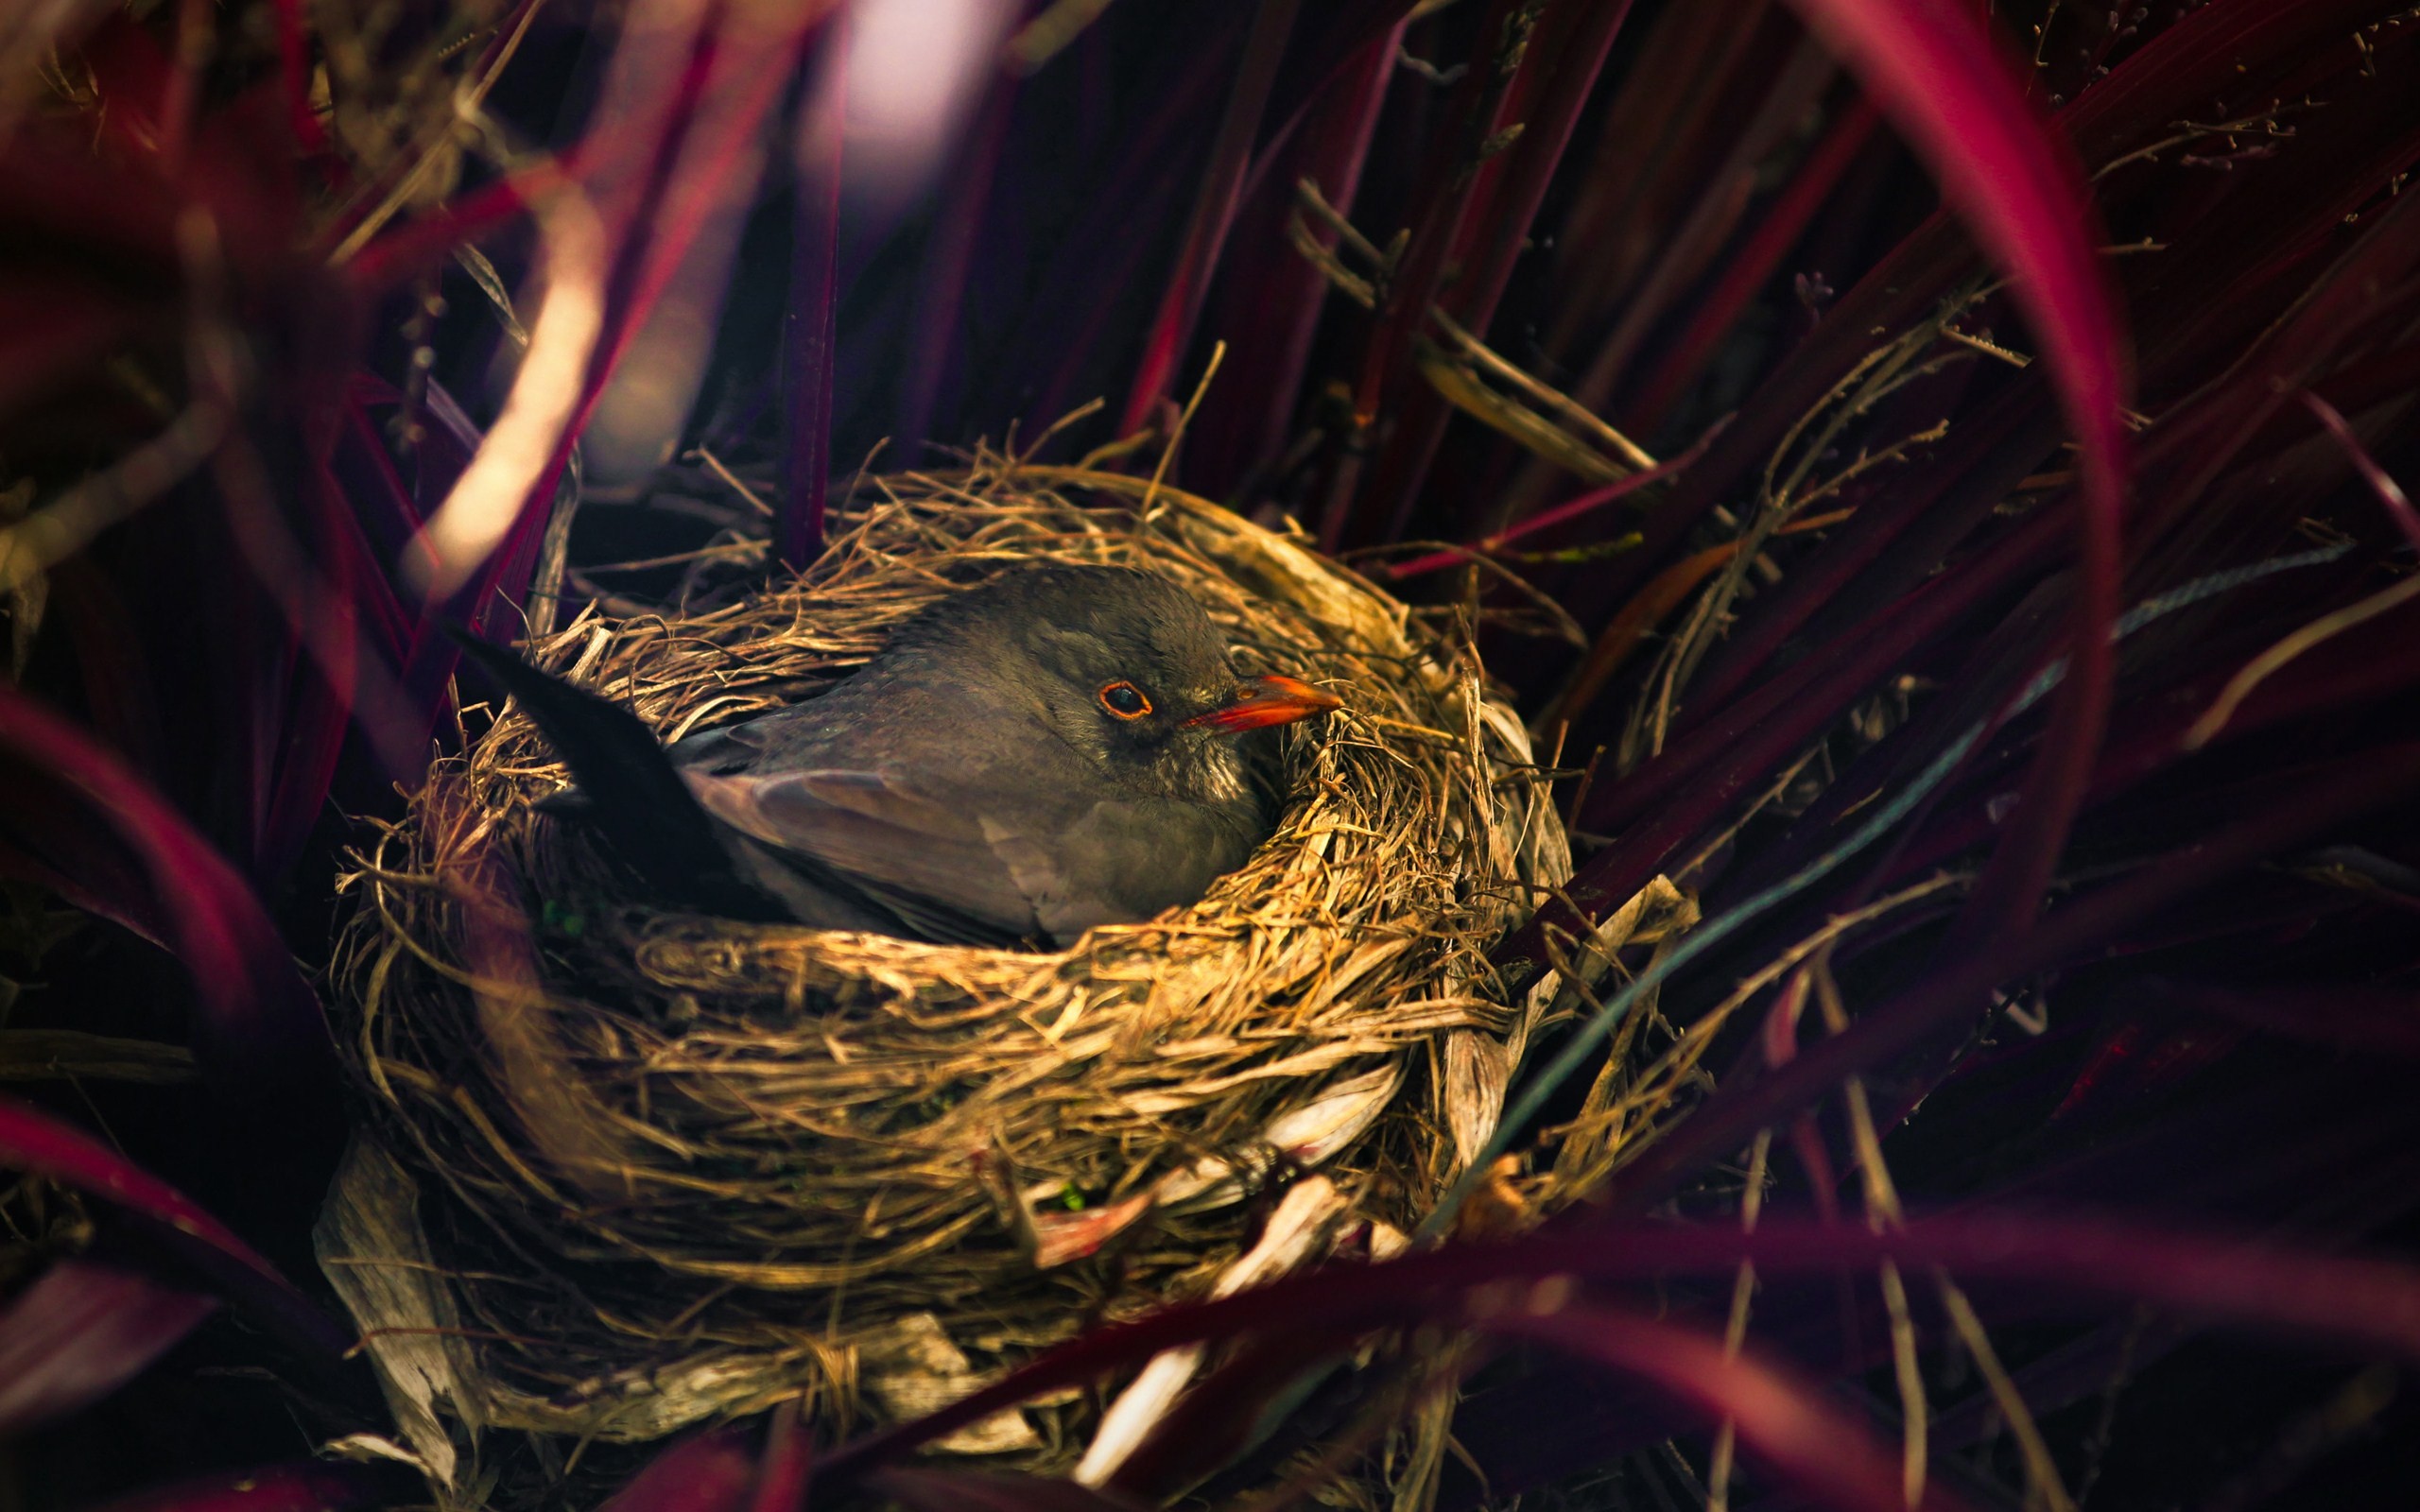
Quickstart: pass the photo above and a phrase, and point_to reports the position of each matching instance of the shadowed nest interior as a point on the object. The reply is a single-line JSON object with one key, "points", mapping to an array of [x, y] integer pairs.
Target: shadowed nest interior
{"points": [[626, 1169]]}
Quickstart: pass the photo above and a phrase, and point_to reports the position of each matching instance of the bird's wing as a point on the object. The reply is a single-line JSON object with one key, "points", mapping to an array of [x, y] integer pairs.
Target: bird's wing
{"points": [[633, 794], [979, 867], [937, 865], [1119, 861]]}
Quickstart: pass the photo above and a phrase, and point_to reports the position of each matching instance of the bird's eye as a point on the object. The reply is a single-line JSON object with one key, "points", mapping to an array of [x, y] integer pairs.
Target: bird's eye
{"points": [[1125, 700]]}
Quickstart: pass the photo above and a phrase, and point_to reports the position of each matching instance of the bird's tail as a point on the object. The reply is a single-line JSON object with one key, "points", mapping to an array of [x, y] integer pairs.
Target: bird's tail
{"points": [[634, 796]]}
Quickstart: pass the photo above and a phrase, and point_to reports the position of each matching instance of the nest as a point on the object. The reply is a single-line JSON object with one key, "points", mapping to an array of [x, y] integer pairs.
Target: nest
{"points": [[627, 1170]]}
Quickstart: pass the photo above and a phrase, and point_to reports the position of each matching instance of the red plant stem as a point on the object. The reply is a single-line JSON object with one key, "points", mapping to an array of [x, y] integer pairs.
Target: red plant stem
{"points": [[1787, 1420], [1765, 727], [33, 1141], [327, 602], [1801, 86], [1890, 296], [643, 265], [1246, 419], [1659, 128], [2390, 494], [705, 1473], [815, 272], [2020, 194], [177, 102], [421, 244], [1572, 41], [948, 262], [1085, 282], [653, 258], [2354, 676], [1780, 1045], [294, 75], [311, 1485], [1562, 513], [789, 1462], [2007, 893], [1082, 339], [260, 1017], [1719, 309], [1444, 189], [1214, 212], [1576, 37]]}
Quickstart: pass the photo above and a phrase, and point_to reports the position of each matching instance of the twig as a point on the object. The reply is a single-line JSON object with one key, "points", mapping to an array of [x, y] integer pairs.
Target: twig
{"points": [[1176, 437], [554, 550], [1561, 404], [2391, 494], [1734, 1332], [731, 479], [1544, 518], [2257, 671]]}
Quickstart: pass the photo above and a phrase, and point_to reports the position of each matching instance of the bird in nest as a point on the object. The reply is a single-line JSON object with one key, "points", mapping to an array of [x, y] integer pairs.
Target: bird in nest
{"points": [[1058, 748]]}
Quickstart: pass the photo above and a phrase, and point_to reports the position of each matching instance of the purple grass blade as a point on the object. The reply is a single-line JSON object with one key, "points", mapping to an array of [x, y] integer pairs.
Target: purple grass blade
{"points": [[1578, 37], [1083, 285], [2390, 494], [919, 1490], [949, 261], [33, 1141], [1229, 1413], [1274, 297], [327, 694], [1572, 41], [2371, 1305], [1784, 1420], [1750, 267], [260, 1022], [294, 75], [709, 1472], [787, 1464], [748, 73], [2375, 1021], [815, 291], [1795, 90], [1547, 518], [655, 240], [1214, 212], [80, 1331], [415, 246], [312, 1486], [54, 329], [1450, 178], [1913, 524]]}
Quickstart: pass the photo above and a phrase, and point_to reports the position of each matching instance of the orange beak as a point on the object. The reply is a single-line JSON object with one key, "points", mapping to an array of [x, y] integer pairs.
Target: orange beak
{"points": [[1264, 701]]}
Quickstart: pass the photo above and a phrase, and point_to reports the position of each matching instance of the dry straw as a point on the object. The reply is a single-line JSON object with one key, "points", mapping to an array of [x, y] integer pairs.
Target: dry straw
{"points": [[625, 1171]]}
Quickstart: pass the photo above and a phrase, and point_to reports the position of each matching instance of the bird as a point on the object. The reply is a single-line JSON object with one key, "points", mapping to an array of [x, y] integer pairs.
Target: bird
{"points": [[1060, 747]]}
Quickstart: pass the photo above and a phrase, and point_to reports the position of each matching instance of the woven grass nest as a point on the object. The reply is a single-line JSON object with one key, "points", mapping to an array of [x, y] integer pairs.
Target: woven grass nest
{"points": [[623, 1171]]}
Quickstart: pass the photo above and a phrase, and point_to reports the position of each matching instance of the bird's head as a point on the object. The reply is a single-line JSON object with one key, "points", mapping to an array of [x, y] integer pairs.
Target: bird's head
{"points": [[1131, 672]]}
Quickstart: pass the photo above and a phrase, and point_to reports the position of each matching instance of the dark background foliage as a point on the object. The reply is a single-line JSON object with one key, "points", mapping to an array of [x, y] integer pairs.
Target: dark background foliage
{"points": [[2169, 985]]}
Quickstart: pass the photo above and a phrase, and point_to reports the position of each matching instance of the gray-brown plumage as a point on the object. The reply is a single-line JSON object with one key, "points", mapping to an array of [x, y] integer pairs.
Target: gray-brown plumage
{"points": [[1060, 747]]}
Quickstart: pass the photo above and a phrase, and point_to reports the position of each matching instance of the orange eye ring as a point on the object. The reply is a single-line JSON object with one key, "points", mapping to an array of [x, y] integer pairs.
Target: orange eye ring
{"points": [[1125, 700]]}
